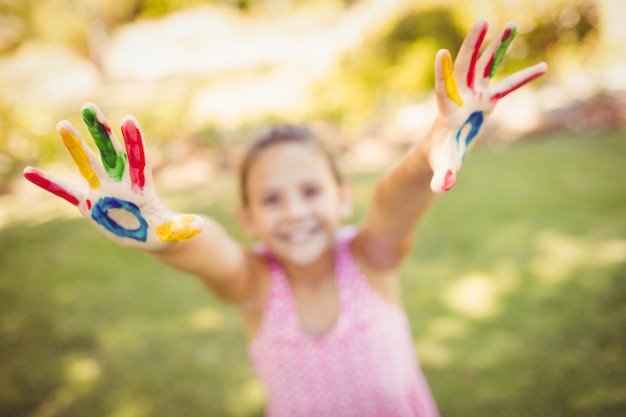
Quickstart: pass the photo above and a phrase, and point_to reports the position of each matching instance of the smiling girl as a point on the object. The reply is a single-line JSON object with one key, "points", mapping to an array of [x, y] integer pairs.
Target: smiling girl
{"points": [[321, 303]]}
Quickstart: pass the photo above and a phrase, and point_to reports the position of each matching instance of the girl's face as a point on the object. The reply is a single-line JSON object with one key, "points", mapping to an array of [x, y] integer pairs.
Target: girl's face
{"points": [[295, 204]]}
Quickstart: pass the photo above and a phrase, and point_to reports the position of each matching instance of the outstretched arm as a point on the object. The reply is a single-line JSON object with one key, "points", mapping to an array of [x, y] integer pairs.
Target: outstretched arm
{"points": [[119, 199], [465, 99]]}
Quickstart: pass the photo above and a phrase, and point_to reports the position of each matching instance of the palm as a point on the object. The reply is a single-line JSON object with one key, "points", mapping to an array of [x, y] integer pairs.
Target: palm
{"points": [[120, 198], [466, 97]]}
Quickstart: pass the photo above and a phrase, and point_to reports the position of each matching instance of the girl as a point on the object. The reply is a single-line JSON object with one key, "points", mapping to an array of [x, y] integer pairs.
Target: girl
{"points": [[321, 304]]}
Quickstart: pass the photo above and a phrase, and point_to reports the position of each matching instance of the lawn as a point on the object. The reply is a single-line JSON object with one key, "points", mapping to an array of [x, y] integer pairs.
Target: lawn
{"points": [[516, 289]]}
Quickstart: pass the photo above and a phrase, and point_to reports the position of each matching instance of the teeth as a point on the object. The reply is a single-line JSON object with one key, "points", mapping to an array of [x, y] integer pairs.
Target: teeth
{"points": [[299, 236]]}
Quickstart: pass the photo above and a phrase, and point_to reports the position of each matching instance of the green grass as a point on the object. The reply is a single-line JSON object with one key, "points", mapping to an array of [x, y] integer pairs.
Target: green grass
{"points": [[515, 288]]}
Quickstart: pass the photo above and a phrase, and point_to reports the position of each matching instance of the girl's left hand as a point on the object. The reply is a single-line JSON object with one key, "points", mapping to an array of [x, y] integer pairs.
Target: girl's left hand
{"points": [[466, 97]]}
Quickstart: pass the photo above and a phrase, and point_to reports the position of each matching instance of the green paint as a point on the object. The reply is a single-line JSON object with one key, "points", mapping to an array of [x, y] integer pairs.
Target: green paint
{"points": [[499, 55], [113, 162]]}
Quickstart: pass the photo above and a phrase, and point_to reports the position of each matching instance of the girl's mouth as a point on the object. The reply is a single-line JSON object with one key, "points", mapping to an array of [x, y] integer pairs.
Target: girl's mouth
{"points": [[298, 235]]}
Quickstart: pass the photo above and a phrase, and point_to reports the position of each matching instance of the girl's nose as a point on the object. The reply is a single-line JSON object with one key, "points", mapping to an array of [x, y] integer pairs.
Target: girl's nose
{"points": [[295, 207]]}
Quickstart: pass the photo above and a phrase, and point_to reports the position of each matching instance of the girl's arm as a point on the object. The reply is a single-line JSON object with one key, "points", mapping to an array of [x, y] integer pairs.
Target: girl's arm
{"points": [[119, 199], [465, 99], [219, 261]]}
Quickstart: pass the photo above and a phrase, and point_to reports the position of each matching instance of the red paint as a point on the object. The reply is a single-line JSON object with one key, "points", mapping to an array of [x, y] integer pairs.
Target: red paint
{"points": [[504, 93], [449, 180], [136, 154], [471, 73], [488, 67], [88, 203], [505, 34], [37, 178], [106, 126]]}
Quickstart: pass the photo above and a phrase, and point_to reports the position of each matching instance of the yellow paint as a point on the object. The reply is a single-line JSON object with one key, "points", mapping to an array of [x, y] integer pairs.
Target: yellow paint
{"points": [[74, 146], [177, 230], [448, 76]]}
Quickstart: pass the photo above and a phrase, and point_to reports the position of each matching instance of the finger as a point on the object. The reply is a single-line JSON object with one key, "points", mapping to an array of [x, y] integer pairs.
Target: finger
{"points": [[445, 82], [137, 158], [495, 52], [517, 80], [443, 181], [180, 228], [67, 191], [83, 156], [111, 152], [465, 64]]}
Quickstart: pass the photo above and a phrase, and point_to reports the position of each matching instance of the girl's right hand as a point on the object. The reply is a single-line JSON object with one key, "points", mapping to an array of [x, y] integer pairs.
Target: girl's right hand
{"points": [[119, 198]]}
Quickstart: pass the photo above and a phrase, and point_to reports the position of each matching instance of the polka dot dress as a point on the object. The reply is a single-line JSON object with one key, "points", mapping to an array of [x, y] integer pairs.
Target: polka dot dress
{"points": [[364, 366]]}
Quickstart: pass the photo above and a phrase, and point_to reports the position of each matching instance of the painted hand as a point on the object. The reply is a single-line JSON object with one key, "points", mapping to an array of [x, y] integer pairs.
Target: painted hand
{"points": [[466, 97], [119, 197]]}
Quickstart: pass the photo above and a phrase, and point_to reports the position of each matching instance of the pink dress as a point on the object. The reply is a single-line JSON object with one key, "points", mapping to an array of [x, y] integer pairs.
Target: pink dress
{"points": [[364, 366]]}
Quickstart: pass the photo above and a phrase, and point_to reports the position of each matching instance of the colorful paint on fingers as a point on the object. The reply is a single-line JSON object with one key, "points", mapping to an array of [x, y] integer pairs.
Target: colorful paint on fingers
{"points": [[471, 73], [448, 181], [450, 82], [100, 213], [504, 93], [178, 229], [75, 148], [136, 155], [114, 162], [474, 122], [37, 178], [507, 37]]}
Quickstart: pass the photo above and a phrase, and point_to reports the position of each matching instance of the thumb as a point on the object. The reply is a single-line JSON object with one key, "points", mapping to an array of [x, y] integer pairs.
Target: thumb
{"points": [[445, 83], [179, 228]]}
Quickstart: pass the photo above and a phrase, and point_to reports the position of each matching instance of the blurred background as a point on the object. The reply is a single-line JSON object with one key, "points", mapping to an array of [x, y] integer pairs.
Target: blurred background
{"points": [[515, 288]]}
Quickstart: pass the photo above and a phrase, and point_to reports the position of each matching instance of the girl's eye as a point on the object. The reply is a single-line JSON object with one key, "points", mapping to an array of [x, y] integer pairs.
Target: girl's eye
{"points": [[311, 191], [270, 200]]}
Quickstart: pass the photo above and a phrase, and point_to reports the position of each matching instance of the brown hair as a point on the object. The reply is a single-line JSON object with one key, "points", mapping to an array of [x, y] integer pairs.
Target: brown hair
{"points": [[276, 135]]}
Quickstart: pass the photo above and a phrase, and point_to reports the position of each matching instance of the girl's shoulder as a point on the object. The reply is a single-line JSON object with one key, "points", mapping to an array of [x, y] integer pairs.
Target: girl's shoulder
{"points": [[347, 233]]}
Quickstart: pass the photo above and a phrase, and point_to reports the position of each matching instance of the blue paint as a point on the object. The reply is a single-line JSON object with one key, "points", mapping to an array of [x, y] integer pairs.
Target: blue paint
{"points": [[475, 120], [100, 214]]}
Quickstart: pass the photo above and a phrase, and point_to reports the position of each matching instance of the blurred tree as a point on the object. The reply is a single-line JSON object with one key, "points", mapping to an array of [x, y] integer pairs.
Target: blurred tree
{"points": [[395, 64], [12, 28], [84, 25], [8, 165], [547, 28], [612, 31], [162, 7], [70, 22]]}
